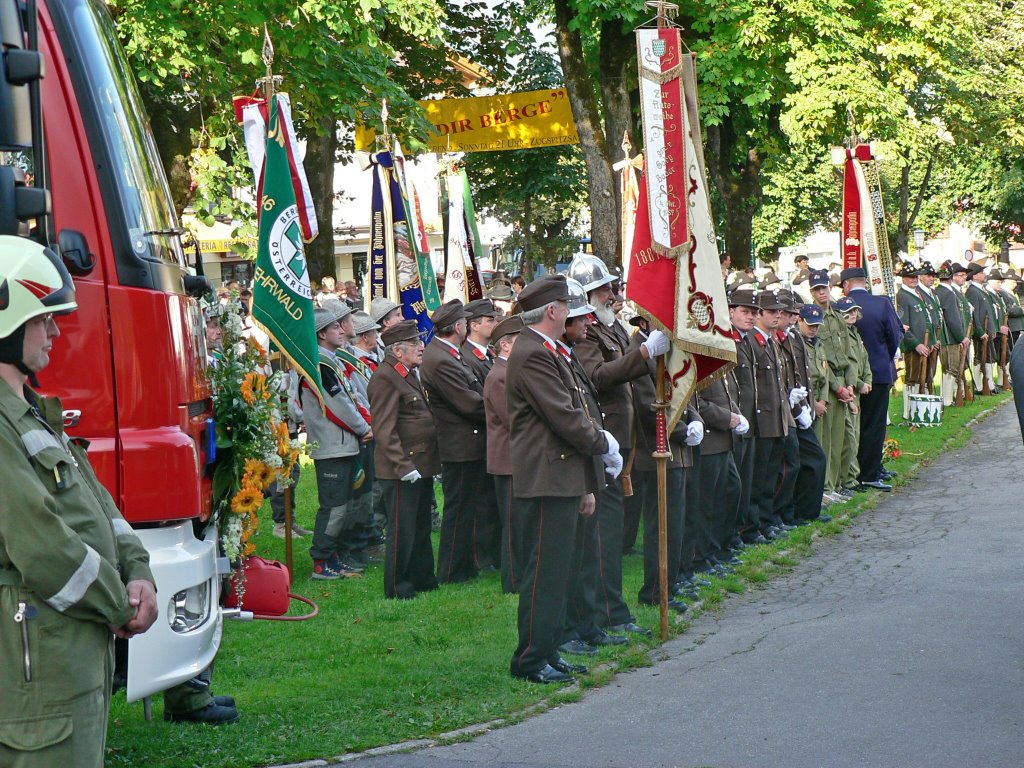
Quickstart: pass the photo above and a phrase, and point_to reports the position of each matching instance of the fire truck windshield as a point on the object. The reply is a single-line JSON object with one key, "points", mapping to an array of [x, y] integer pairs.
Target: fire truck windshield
{"points": [[139, 183]]}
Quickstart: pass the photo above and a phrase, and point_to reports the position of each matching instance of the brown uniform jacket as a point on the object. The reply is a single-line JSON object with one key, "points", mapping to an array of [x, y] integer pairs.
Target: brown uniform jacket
{"points": [[797, 367], [477, 363], [499, 449], [456, 400], [646, 422], [552, 438], [772, 405], [595, 475], [609, 363], [716, 404], [405, 437], [746, 385]]}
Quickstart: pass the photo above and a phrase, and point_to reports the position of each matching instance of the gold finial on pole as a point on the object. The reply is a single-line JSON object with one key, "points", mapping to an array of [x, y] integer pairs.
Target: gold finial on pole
{"points": [[267, 82], [627, 146]]}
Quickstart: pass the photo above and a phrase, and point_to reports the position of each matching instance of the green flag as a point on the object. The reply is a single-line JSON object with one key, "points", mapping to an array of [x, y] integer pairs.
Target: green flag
{"points": [[282, 300]]}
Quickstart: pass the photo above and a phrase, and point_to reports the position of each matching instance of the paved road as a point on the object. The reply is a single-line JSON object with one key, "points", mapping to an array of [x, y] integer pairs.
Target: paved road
{"points": [[900, 643]]}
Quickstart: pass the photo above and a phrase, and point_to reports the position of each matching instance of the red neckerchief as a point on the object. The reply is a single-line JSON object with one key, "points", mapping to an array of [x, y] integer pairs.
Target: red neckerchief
{"points": [[401, 369]]}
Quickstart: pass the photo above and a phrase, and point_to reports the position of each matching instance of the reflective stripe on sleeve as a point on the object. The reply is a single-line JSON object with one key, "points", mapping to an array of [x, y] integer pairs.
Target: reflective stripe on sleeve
{"points": [[122, 527], [80, 581]]}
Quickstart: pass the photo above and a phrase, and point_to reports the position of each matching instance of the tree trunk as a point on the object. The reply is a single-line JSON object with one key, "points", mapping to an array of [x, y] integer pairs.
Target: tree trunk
{"points": [[903, 228], [321, 148], [604, 215], [618, 62], [739, 185], [529, 267]]}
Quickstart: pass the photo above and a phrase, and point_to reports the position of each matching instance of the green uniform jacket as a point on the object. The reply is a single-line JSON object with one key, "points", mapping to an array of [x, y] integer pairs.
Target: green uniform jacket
{"points": [[914, 316], [860, 371], [818, 388], [936, 325], [832, 337], [957, 314], [65, 555]]}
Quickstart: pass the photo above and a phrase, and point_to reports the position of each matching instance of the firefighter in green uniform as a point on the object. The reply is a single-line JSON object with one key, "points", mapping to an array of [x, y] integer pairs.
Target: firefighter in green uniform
{"points": [[832, 339], [812, 317], [859, 376], [72, 572]]}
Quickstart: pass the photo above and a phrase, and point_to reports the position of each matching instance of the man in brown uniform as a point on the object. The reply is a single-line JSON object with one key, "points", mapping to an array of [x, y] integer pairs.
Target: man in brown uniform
{"points": [[605, 357], [456, 401], [405, 461], [552, 473], [499, 453]]}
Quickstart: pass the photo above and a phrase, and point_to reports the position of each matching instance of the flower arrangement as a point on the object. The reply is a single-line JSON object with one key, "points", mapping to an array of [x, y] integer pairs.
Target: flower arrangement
{"points": [[891, 449], [253, 445]]}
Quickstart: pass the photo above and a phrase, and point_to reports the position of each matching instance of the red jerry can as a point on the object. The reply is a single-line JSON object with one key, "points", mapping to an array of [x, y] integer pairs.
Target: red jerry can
{"points": [[266, 588]]}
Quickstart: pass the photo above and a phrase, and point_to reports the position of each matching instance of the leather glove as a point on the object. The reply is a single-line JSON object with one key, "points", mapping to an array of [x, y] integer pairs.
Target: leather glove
{"points": [[743, 427], [796, 395], [803, 418], [613, 444], [612, 464], [657, 343], [412, 477], [694, 433]]}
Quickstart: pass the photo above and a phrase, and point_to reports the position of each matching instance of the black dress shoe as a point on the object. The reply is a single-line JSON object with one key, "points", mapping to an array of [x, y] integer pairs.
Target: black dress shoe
{"points": [[678, 606], [603, 638], [546, 674], [771, 533], [699, 582], [877, 485], [578, 648], [632, 628], [888, 474], [823, 519], [568, 668], [211, 714], [224, 701]]}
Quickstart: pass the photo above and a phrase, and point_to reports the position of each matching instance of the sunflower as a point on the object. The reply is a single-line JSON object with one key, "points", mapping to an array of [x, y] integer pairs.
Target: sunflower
{"points": [[258, 474], [247, 500]]}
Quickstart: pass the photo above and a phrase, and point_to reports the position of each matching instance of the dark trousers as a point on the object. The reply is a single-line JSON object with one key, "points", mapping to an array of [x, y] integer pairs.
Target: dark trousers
{"points": [[581, 609], [768, 452], [743, 457], [277, 496], [633, 512], [464, 483], [783, 506], [487, 527], [550, 533], [408, 553], [334, 478], [513, 535], [874, 407], [810, 481], [716, 499], [611, 607], [675, 479]]}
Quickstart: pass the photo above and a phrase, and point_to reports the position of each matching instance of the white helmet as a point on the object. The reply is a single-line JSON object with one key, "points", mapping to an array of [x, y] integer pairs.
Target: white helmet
{"points": [[589, 271], [578, 299], [33, 282]]}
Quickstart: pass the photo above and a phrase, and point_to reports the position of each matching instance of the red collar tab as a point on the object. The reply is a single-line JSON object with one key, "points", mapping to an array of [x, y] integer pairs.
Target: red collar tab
{"points": [[550, 347], [736, 335], [761, 339], [401, 369], [780, 335], [480, 354], [453, 352]]}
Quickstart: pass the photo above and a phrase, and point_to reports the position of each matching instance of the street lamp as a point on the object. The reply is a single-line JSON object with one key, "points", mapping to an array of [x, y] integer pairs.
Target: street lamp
{"points": [[919, 242]]}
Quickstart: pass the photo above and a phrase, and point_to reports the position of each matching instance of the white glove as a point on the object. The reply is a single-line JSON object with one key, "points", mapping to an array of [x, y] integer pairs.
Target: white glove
{"points": [[612, 464], [803, 418], [657, 343], [796, 395], [694, 433], [743, 427], [412, 477], [613, 444]]}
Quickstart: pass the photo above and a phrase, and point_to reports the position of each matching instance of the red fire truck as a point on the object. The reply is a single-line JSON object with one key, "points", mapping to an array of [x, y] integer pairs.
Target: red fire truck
{"points": [[79, 171]]}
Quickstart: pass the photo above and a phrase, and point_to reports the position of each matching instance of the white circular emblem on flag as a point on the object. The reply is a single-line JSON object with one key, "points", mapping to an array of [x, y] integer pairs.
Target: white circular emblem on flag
{"points": [[287, 254]]}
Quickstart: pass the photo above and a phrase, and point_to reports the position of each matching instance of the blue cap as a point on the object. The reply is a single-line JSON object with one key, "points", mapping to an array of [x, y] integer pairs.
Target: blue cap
{"points": [[812, 314], [818, 278], [844, 305]]}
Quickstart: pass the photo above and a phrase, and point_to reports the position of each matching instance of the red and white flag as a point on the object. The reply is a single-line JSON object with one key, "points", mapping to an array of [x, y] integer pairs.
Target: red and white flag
{"points": [[865, 243], [252, 112], [679, 289]]}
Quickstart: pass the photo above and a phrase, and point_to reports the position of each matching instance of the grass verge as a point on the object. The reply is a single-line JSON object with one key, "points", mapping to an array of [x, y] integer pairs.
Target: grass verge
{"points": [[369, 672]]}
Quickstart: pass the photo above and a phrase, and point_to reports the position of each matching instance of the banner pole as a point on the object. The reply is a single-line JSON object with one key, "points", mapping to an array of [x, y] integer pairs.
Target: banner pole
{"points": [[289, 518], [661, 456]]}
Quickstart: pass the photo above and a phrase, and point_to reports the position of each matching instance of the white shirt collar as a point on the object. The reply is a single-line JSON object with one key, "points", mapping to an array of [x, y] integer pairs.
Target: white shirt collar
{"points": [[478, 346], [444, 341]]}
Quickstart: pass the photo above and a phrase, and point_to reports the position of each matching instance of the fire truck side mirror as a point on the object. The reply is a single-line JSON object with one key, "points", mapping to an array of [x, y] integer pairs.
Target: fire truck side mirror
{"points": [[19, 68], [74, 251], [19, 203]]}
